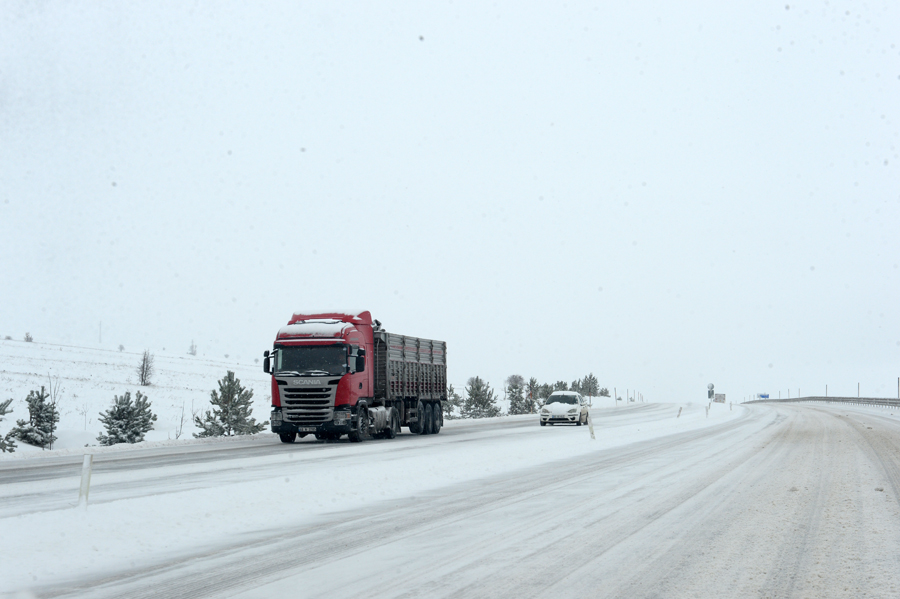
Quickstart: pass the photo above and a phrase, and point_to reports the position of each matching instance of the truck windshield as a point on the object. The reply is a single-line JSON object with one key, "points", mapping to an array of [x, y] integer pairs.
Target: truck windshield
{"points": [[569, 399], [311, 360]]}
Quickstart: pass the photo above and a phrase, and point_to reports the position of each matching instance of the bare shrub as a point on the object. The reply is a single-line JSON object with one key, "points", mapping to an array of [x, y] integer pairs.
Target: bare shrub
{"points": [[145, 368]]}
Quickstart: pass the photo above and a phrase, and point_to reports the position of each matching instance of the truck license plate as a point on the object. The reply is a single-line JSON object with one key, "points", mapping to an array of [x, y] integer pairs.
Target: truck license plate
{"points": [[306, 429]]}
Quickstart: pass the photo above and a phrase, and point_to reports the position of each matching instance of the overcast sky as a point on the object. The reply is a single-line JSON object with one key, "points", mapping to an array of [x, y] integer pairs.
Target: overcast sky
{"points": [[665, 194]]}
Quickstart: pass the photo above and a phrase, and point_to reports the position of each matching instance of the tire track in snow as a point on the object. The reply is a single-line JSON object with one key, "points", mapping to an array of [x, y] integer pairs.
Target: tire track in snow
{"points": [[273, 555]]}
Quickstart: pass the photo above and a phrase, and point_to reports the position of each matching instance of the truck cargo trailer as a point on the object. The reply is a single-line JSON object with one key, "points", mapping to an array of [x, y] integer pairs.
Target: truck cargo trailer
{"points": [[341, 373]]}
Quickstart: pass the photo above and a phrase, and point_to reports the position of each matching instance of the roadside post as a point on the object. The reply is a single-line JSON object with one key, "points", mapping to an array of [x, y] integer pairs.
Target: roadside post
{"points": [[86, 467], [591, 426]]}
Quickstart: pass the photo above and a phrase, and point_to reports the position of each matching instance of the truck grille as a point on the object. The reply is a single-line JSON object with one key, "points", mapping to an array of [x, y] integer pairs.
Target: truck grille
{"points": [[308, 405]]}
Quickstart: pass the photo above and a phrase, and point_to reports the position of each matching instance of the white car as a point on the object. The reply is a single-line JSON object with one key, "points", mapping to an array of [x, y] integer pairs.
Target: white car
{"points": [[565, 407]]}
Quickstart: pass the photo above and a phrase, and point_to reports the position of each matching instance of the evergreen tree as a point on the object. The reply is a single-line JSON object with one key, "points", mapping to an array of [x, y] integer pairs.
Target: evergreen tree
{"points": [[532, 393], [545, 391], [576, 386], [604, 392], [42, 419], [126, 421], [231, 409], [454, 402], [515, 391], [561, 386], [590, 386], [38, 429], [480, 401], [7, 443]]}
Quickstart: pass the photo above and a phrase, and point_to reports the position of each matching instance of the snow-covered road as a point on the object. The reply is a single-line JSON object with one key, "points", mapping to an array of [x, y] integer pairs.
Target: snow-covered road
{"points": [[767, 500]]}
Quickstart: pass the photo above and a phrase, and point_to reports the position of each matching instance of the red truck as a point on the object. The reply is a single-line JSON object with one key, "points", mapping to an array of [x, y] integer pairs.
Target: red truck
{"points": [[340, 373]]}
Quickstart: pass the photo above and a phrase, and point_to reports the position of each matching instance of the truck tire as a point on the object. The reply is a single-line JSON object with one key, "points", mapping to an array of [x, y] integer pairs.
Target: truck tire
{"points": [[417, 427], [429, 419], [438, 419], [287, 437], [393, 428], [361, 432]]}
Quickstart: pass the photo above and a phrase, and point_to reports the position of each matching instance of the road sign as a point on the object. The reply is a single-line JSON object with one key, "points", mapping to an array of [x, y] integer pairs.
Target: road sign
{"points": [[719, 398]]}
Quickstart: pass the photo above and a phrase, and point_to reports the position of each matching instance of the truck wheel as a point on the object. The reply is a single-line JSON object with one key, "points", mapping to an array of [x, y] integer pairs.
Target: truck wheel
{"points": [[362, 427], [429, 419], [417, 427], [438, 419], [393, 428], [287, 437]]}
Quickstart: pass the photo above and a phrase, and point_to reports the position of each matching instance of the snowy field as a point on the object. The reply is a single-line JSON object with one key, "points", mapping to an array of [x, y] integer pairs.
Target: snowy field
{"points": [[88, 378]]}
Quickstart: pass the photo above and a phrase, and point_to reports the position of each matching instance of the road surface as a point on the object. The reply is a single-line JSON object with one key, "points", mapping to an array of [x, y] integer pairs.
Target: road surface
{"points": [[781, 501]]}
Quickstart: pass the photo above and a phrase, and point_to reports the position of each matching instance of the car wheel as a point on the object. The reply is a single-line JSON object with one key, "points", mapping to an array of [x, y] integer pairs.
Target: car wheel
{"points": [[543, 423], [579, 420], [287, 437]]}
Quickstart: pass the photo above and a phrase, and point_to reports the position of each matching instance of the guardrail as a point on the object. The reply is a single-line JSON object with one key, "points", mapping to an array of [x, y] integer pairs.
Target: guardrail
{"points": [[870, 401]]}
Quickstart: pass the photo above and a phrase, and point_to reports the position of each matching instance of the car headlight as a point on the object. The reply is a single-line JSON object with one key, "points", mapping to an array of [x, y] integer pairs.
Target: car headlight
{"points": [[545, 411], [572, 411]]}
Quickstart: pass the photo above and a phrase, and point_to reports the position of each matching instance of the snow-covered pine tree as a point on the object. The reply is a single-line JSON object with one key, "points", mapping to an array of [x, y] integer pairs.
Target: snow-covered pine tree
{"points": [[604, 392], [561, 386], [126, 421], [515, 391], [231, 409], [7, 443], [532, 393], [42, 419], [544, 392], [590, 386], [480, 401], [576, 386]]}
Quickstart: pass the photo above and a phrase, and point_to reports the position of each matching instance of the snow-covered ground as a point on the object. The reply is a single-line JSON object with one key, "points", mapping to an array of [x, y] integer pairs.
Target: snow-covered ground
{"points": [[88, 378], [747, 500], [161, 510]]}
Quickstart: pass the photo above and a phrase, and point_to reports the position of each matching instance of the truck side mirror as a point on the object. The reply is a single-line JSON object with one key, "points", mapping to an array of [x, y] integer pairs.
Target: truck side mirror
{"points": [[266, 364], [361, 362]]}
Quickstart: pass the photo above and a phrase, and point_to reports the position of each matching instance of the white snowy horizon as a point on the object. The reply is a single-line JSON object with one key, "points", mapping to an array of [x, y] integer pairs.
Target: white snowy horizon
{"points": [[663, 195]]}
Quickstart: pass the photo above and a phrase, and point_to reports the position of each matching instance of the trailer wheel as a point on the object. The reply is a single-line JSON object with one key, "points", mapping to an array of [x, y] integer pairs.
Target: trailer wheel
{"points": [[438, 419], [417, 427], [429, 419], [287, 437]]}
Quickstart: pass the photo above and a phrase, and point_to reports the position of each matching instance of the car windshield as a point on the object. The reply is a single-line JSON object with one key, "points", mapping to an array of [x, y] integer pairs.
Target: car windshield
{"points": [[311, 360], [569, 399]]}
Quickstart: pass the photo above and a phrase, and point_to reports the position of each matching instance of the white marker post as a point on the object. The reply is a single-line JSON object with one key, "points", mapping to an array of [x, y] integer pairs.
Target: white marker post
{"points": [[85, 489], [679, 413], [591, 426]]}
